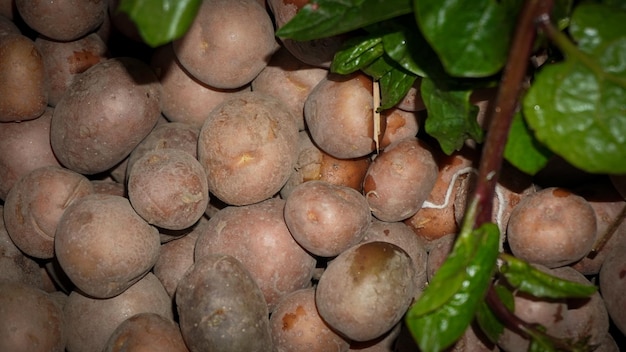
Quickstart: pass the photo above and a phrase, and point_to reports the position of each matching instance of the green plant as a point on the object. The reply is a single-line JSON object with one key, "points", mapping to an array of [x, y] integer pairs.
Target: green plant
{"points": [[573, 105]]}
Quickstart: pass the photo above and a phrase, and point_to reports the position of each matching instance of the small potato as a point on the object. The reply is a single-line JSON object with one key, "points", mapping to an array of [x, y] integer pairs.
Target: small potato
{"points": [[105, 113], [399, 124], [90, 322], [35, 204], [23, 81], [104, 246], [31, 320], [221, 308], [297, 326], [258, 237], [146, 332], [248, 146], [339, 114], [64, 60], [400, 179], [168, 188], [175, 258], [326, 219], [62, 20], [185, 98], [613, 285], [228, 43], [24, 147], [7, 26], [365, 291], [552, 227]]}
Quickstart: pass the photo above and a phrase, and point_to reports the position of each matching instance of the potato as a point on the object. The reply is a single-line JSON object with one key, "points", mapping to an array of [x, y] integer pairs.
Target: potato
{"points": [[228, 43], [168, 188], [146, 332], [399, 124], [290, 80], [383, 343], [297, 326], [62, 20], [104, 114], [552, 227], [221, 308], [64, 60], [185, 98], [258, 237], [35, 204], [6, 24], [31, 320], [365, 291], [612, 285], [315, 164], [326, 219], [23, 81], [15, 266], [109, 187], [175, 258], [248, 146], [400, 179], [104, 246], [339, 114], [24, 147], [90, 322]]}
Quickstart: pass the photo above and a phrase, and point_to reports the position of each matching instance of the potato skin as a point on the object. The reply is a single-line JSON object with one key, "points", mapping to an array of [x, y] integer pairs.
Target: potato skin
{"points": [[31, 320], [400, 179], [104, 246], [613, 286], [365, 291], [248, 146], [35, 204], [221, 308], [23, 81], [227, 54], [104, 114], [146, 332]]}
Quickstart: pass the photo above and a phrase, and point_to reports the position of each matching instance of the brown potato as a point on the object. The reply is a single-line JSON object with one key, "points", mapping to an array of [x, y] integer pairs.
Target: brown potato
{"points": [[90, 322], [221, 308], [175, 258], [290, 80], [326, 219], [64, 60], [31, 320], [228, 43], [185, 98], [146, 332], [6, 24], [168, 188], [339, 114], [104, 114], [400, 179], [297, 326], [35, 204], [23, 81], [552, 227], [258, 237], [24, 147], [104, 246], [248, 146], [613, 284], [62, 20], [365, 291]]}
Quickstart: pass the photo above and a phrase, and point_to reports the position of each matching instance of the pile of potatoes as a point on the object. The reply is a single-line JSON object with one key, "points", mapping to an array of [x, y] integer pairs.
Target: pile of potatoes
{"points": [[226, 192]]}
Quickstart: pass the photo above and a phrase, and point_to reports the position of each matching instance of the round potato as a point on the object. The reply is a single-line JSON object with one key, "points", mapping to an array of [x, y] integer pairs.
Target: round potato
{"points": [[248, 146], [105, 113], [147, 332]]}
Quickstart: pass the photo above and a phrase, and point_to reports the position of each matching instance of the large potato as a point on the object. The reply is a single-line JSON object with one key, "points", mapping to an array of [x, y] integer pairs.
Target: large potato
{"points": [[104, 114], [221, 307], [104, 246], [248, 146], [228, 43]]}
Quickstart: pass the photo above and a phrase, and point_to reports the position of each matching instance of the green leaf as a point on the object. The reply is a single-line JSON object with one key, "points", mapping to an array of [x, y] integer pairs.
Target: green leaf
{"points": [[451, 118], [325, 18], [594, 26], [579, 113], [394, 81], [356, 54], [523, 150], [437, 322], [161, 21], [472, 38], [526, 278], [488, 322]]}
